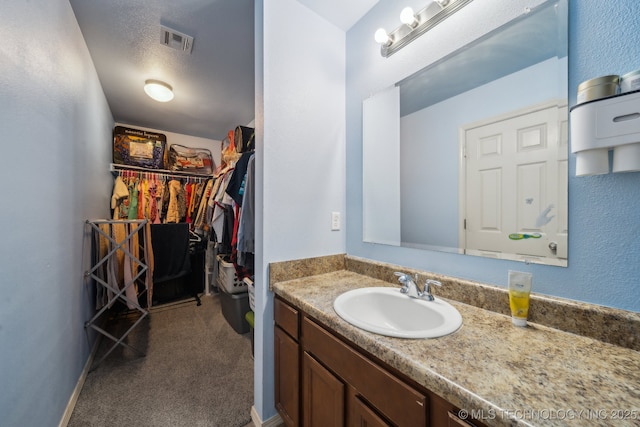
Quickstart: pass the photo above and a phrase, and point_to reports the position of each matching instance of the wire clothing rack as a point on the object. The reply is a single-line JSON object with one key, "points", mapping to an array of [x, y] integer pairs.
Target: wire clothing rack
{"points": [[113, 291]]}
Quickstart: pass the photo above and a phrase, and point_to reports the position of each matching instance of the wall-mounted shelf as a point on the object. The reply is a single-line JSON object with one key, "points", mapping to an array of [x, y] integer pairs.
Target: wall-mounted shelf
{"points": [[117, 168]]}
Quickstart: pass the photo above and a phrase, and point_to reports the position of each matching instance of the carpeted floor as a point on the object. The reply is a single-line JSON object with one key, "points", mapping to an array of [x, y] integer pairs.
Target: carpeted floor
{"points": [[197, 372]]}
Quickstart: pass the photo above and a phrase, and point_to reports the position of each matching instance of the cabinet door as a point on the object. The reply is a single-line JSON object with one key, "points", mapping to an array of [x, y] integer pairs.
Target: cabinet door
{"points": [[361, 415], [287, 372], [322, 395], [455, 421]]}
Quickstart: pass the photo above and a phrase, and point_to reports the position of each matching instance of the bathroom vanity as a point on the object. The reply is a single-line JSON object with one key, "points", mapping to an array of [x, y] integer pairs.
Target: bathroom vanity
{"points": [[329, 372], [335, 383]]}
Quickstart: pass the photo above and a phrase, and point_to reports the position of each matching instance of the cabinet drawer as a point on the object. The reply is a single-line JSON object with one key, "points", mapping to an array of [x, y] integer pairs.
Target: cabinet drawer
{"points": [[286, 317], [394, 399]]}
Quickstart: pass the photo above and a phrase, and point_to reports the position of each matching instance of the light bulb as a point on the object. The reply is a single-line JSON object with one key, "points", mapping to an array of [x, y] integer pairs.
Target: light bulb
{"points": [[382, 37], [408, 17]]}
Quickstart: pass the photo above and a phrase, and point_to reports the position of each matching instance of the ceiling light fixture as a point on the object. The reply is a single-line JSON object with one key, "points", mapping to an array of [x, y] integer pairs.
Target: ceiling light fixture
{"points": [[158, 90], [416, 24]]}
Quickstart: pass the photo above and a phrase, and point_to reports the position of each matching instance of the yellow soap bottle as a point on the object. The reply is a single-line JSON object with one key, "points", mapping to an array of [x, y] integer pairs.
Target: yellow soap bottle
{"points": [[519, 291]]}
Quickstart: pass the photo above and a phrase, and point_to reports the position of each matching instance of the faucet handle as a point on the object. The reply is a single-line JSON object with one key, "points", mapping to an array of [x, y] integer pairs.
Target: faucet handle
{"points": [[427, 285], [402, 277], [405, 279]]}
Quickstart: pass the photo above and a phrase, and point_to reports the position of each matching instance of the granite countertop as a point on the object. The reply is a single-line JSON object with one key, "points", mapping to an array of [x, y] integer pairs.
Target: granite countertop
{"points": [[509, 376]]}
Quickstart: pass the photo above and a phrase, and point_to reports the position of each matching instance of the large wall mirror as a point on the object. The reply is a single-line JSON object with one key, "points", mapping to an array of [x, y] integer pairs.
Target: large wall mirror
{"points": [[469, 155]]}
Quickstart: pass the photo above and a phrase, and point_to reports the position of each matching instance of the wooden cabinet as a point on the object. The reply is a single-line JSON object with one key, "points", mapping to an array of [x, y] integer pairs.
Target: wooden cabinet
{"points": [[393, 399], [322, 395], [361, 415], [323, 381], [287, 364]]}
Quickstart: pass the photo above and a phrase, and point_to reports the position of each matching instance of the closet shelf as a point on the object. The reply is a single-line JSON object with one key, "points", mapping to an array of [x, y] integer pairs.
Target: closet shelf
{"points": [[116, 167]]}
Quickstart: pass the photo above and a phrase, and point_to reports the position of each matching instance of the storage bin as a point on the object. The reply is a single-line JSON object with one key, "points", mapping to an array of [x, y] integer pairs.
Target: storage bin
{"points": [[234, 307], [252, 293], [227, 277], [135, 147]]}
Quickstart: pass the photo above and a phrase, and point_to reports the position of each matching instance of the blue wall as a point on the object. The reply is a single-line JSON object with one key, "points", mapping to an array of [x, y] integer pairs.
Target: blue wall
{"points": [[604, 217], [56, 127]]}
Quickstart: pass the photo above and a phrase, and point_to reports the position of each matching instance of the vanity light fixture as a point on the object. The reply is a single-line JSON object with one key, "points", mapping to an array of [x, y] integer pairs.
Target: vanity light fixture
{"points": [[158, 90], [382, 37], [407, 17], [416, 24]]}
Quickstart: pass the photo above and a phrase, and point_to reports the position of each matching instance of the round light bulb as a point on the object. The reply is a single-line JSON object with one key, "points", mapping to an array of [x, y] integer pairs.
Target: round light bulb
{"points": [[407, 16], [381, 36], [159, 91]]}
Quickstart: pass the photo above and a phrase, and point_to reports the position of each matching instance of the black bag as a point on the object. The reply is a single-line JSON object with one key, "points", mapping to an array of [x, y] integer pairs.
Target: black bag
{"points": [[244, 139]]}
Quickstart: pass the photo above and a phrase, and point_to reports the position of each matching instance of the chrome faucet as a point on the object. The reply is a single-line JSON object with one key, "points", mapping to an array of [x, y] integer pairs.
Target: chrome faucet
{"points": [[410, 288]]}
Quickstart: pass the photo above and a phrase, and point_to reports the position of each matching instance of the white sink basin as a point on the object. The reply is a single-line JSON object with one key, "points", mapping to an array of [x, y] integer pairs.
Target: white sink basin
{"points": [[386, 311]]}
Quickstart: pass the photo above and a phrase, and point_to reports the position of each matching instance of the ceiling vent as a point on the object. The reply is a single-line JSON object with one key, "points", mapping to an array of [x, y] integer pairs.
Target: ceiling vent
{"points": [[175, 39]]}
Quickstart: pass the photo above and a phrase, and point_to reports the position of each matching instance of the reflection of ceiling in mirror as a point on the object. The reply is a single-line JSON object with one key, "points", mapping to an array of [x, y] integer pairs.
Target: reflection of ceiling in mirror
{"points": [[341, 13], [528, 40]]}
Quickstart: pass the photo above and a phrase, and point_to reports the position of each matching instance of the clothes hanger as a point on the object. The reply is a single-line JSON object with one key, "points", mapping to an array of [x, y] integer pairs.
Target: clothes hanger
{"points": [[194, 237]]}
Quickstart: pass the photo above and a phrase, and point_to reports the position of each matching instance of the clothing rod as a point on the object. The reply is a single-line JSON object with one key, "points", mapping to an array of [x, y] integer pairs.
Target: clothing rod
{"points": [[117, 168], [117, 221]]}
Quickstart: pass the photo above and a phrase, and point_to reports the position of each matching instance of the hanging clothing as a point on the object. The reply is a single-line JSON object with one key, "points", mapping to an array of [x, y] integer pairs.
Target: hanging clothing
{"points": [[133, 199], [160, 189], [182, 202], [226, 232], [150, 260], [118, 198], [173, 212], [221, 201], [236, 183], [166, 200], [199, 222], [170, 251], [120, 268], [153, 202], [142, 201], [246, 229]]}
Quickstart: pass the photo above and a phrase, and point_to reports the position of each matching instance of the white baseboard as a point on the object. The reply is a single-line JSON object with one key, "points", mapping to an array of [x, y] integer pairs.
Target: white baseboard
{"points": [[274, 421], [66, 416]]}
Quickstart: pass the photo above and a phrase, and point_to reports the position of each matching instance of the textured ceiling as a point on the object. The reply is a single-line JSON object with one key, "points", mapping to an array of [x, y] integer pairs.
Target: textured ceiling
{"points": [[214, 86]]}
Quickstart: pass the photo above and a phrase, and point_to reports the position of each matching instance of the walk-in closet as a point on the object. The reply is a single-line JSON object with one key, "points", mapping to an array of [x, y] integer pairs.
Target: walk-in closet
{"points": [[181, 227], [171, 277], [168, 267]]}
